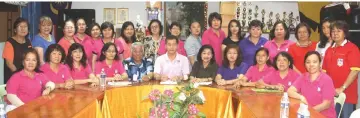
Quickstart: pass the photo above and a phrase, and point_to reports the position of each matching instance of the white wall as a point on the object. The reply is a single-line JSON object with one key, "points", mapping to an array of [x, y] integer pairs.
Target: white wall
{"points": [[135, 8], [2, 44]]}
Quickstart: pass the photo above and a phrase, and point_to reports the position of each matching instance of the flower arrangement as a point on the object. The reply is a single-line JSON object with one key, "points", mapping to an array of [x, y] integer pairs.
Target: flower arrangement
{"points": [[181, 104]]}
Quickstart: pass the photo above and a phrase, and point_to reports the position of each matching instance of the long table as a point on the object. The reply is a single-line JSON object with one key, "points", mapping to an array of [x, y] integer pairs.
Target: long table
{"points": [[85, 102]]}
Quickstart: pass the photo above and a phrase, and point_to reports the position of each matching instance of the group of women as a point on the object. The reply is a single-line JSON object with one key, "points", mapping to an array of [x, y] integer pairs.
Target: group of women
{"points": [[278, 63]]}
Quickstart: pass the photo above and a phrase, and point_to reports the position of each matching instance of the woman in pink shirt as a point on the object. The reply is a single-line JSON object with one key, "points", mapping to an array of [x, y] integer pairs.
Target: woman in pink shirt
{"points": [[314, 87], [283, 77], [28, 83], [110, 63], [68, 39], [108, 31], [80, 70], [94, 32], [127, 37], [261, 68], [279, 39], [54, 69], [175, 30], [85, 40], [214, 36]]}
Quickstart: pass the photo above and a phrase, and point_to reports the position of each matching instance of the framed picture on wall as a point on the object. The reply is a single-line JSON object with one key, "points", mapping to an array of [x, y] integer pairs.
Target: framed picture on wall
{"points": [[184, 13], [122, 15], [109, 15]]}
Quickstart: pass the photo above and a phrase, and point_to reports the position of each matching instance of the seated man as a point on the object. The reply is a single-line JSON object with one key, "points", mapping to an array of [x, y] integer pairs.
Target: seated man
{"points": [[136, 66], [172, 65]]}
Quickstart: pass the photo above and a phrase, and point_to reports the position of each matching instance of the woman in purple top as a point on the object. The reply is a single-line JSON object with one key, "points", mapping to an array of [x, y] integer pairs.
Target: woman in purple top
{"points": [[315, 88], [233, 69], [283, 77], [253, 42], [261, 68], [279, 39]]}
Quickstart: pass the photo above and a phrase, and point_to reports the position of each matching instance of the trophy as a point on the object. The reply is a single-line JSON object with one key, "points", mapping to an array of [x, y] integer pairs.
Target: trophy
{"points": [[256, 12], [243, 21], [249, 18], [263, 19], [277, 16], [238, 9], [291, 23], [284, 17], [269, 23]]}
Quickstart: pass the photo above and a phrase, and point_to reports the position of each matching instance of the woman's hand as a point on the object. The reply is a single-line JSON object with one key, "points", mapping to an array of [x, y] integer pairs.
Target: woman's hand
{"points": [[221, 82], [69, 84], [260, 84]]}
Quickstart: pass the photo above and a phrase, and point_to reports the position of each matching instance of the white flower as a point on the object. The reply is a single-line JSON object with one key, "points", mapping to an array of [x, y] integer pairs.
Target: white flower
{"points": [[182, 97], [201, 95], [196, 85]]}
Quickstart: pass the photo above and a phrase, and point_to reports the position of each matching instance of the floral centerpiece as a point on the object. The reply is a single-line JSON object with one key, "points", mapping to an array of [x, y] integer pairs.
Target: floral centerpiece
{"points": [[181, 104]]}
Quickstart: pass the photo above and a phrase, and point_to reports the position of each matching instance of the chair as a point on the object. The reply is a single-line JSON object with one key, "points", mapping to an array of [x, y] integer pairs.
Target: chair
{"points": [[2, 90], [355, 114], [341, 100]]}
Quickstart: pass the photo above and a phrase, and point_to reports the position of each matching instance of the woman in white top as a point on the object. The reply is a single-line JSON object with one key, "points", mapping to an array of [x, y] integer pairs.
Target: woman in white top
{"points": [[325, 39]]}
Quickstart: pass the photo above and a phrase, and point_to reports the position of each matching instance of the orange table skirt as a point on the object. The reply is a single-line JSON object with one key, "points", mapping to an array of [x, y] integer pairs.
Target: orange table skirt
{"points": [[130, 102]]}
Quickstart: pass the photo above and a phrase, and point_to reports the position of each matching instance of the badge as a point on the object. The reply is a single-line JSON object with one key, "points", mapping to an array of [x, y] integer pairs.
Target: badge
{"points": [[340, 62], [289, 83], [286, 49], [318, 89], [116, 71], [262, 46]]}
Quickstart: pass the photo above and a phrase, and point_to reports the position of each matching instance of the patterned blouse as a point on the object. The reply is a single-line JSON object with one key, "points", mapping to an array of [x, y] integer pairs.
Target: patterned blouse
{"points": [[151, 48]]}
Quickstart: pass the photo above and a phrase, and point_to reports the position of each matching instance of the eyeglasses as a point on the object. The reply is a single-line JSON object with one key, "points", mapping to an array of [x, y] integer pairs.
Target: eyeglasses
{"points": [[23, 27], [154, 27], [69, 28]]}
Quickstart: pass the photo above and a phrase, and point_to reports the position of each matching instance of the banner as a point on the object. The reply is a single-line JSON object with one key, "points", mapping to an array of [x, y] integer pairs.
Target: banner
{"points": [[51, 9]]}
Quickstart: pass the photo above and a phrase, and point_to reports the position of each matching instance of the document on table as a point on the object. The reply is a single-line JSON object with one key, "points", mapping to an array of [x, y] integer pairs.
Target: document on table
{"points": [[121, 83], [204, 83], [169, 82]]}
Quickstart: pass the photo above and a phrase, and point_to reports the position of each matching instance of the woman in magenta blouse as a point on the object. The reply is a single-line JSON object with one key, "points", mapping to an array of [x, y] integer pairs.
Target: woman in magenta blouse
{"points": [[28, 83], [214, 36], [110, 62], [68, 38], [80, 70], [94, 32], [85, 40], [54, 69], [314, 87], [175, 30], [261, 68], [279, 39], [283, 77]]}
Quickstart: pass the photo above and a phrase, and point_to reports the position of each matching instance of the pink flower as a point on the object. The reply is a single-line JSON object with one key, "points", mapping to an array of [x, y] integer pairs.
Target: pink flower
{"points": [[192, 109], [154, 95], [169, 93]]}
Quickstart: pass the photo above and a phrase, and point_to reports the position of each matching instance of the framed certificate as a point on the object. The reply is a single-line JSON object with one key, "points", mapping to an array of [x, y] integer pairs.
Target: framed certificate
{"points": [[109, 15], [122, 15]]}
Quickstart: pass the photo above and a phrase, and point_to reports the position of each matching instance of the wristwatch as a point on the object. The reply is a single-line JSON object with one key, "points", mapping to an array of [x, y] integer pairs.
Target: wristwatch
{"points": [[343, 87]]}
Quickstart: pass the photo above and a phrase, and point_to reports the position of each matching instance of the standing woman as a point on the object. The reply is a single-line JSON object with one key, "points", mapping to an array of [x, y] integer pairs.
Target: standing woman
{"points": [[175, 30], [127, 37], [253, 42], [283, 77], [279, 39], [54, 69], [29, 82], [85, 40], [261, 68], [214, 36], [152, 42], [108, 32], [314, 87], [234, 34], [325, 38], [193, 42], [94, 32], [342, 63], [68, 39], [15, 47], [80, 70], [204, 70], [233, 69], [42, 41], [301, 47], [111, 64]]}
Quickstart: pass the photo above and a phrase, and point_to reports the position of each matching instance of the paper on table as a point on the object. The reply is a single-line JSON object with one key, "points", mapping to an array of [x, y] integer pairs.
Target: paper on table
{"points": [[168, 82], [204, 83], [123, 83]]}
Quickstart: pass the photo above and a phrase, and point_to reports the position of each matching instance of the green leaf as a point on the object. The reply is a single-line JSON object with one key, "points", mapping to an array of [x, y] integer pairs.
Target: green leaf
{"points": [[201, 115], [177, 106]]}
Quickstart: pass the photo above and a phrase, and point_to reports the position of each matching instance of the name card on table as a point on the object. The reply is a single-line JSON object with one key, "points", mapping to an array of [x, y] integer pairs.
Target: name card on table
{"points": [[122, 83], [169, 82], [204, 83]]}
